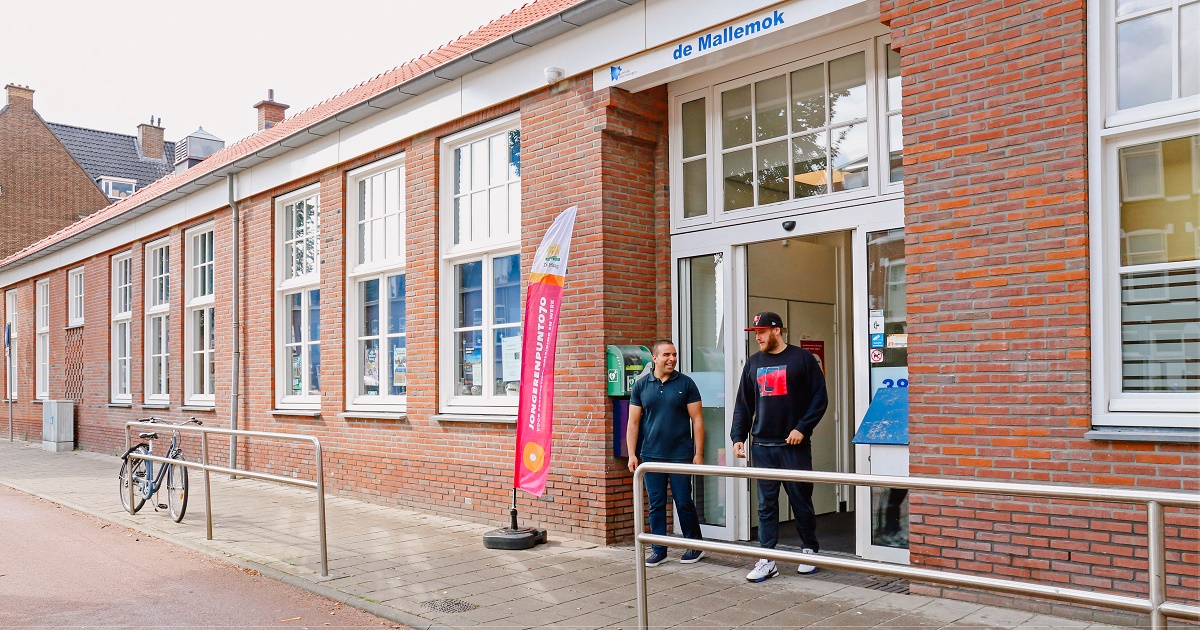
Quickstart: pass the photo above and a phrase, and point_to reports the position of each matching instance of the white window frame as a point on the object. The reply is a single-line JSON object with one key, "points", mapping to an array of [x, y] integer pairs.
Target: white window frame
{"points": [[1102, 48], [287, 283], [452, 255], [1109, 131], [10, 319], [106, 184], [200, 299], [42, 321], [380, 269], [75, 297], [121, 359], [712, 85], [884, 172], [158, 312]]}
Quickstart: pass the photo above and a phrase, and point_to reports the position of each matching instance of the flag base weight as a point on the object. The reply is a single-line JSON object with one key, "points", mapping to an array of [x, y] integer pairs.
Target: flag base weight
{"points": [[514, 539]]}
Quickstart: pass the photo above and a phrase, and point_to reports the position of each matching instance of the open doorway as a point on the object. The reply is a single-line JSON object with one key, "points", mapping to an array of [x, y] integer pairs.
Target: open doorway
{"points": [[806, 280]]}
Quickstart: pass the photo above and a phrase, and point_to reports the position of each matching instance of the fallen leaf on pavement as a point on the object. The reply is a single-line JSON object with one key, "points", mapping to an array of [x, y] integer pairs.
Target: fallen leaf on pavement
{"points": [[292, 619]]}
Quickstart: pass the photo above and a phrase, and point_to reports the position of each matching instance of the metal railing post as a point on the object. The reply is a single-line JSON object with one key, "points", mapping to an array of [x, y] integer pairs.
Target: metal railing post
{"points": [[321, 507], [1157, 563], [639, 549], [207, 484]]}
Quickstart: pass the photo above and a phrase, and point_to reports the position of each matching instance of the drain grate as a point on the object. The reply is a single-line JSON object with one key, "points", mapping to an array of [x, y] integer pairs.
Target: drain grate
{"points": [[449, 605], [873, 582]]}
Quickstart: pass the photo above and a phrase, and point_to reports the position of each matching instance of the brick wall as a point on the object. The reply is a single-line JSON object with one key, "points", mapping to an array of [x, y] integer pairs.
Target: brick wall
{"points": [[995, 137], [38, 178]]}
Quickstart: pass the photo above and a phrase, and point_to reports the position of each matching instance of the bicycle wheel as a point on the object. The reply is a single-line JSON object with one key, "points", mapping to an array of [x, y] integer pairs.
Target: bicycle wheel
{"points": [[177, 490], [139, 480]]}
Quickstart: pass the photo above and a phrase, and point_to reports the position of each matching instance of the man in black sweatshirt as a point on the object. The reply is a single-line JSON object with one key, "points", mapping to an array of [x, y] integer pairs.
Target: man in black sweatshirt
{"points": [[780, 400]]}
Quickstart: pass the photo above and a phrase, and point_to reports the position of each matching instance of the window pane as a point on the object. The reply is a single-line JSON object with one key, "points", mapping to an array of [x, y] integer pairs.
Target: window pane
{"points": [[1129, 7], [738, 180], [893, 82], [314, 315], [507, 366], [399, 362], [462, 217], [479, 216], [498, 203], [848, 88], [770, 108], [808, 98], [370, 310], [514, 154], [461, 172], [479, 164], [498, 147], [1160, 331], [1189, 49], [895, 148], [314, 368], [808, 164], [514, 208], [378, 197], [695, 188], [295, 370], [773, 172], [848, 152], [506, 276], [294, 314], [735, 117], [396, 305], [468, 278], [468, 375], [1160, 202], [369, 365], [694, 125], [1144, 60]]}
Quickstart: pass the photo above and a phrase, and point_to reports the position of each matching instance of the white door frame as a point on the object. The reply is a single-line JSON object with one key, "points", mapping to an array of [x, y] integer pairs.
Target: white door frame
{"points": [[862, 395]]}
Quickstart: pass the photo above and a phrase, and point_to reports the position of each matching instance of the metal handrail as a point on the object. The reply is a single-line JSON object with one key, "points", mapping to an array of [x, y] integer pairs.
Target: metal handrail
{"points": [[318, 484], [1155, 605]]}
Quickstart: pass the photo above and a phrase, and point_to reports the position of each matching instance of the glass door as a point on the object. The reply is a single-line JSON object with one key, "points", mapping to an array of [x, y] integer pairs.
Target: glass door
{"points": [[703, 306]]}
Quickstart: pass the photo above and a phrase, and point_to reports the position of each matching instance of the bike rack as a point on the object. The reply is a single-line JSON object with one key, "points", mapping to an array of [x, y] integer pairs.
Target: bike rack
{"points": [[318, 484], [1156, 605]]}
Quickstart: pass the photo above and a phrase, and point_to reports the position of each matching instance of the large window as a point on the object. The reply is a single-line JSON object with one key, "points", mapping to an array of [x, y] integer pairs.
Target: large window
{"points": [[122, 320], [200, 330], [10, 320], [480, 301], [1144, 182], [75, 297], [158, 318], [793, 137], [298, 286], [377, 356], [42, 313]]}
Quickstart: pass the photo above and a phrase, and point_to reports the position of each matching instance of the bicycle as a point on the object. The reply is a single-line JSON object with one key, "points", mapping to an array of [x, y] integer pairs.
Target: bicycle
{"points": [[145, 483]]}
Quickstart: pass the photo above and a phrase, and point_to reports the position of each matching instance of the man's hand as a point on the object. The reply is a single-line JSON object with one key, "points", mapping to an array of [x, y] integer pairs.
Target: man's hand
{"points": [[698, 459], [739, 450], [795, 437], [633, 462]]}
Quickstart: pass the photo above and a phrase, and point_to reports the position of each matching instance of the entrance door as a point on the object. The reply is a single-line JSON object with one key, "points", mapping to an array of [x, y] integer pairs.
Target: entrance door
{"points": [[704, 308]]}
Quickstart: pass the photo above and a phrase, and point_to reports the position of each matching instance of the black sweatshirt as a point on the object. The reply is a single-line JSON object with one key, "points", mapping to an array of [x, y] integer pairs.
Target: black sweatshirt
{"points": [[779, 393]]}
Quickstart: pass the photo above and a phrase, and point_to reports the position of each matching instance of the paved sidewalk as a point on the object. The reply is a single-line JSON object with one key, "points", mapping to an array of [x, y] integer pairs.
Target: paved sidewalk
{"points": [[415, 568]]}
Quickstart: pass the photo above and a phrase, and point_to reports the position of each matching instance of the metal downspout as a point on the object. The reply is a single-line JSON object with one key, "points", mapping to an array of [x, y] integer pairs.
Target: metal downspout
{"points": [[234, 397]]}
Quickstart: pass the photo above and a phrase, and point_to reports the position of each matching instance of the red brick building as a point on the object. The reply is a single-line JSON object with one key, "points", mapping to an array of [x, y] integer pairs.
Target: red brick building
{"points": [[964, 200]]}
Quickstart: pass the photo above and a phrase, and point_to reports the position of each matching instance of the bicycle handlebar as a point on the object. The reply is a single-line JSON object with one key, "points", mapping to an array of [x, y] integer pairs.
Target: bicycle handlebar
{"points": [[157, 420]]}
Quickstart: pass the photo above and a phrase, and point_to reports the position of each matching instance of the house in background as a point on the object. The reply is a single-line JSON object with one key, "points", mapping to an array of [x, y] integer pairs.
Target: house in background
{"points": [[52, 175]]}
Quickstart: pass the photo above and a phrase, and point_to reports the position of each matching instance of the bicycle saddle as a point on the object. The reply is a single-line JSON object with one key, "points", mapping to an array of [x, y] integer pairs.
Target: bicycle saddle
{"points": [[148, 436]]}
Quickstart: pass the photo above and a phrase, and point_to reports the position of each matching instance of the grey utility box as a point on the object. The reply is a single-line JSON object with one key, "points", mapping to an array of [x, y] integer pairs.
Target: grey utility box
{"points": [[58, 425]]}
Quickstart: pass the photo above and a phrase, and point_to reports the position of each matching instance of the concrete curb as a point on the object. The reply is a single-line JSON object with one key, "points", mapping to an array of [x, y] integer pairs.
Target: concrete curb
{"points": [[379, 610]]}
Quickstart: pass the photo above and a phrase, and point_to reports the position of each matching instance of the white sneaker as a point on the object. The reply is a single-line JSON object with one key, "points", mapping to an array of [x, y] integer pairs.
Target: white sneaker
{"points": [[763, 570], [806, 569]]}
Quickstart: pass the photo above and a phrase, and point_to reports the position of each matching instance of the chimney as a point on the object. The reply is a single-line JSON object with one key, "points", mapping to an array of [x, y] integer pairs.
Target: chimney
{"points": [[150, 137], [19, 96], [270, 113]]}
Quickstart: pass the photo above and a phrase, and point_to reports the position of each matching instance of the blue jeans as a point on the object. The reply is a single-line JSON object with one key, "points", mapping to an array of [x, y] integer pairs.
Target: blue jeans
{"points": [[799, 493], [681, 489]]}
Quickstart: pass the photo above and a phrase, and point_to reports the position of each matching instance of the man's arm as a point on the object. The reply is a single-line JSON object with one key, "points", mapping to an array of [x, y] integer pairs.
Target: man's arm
{"points": [[818, 400], [696, 413], [743, 412], [631, 435]]}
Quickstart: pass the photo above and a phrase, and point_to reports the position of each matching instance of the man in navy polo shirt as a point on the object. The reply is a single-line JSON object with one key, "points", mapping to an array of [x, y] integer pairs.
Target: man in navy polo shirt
{"points": [[666, 425]]}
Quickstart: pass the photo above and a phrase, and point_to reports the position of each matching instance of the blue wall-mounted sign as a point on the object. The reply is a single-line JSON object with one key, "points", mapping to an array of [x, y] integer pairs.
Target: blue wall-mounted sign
{"points": [[878, 340]]}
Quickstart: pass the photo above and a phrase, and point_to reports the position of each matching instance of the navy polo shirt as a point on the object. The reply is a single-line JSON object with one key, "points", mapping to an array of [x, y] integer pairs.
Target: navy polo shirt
{"points": [[665, 430]]}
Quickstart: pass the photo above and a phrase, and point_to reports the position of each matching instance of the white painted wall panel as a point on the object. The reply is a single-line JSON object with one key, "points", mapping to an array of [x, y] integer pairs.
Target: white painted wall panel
{"points": [[435, 107], [310, 158], [668, 20]]}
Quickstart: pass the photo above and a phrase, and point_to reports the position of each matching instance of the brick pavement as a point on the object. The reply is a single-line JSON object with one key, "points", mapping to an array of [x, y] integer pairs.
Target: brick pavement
{"points": [[433, 572]]}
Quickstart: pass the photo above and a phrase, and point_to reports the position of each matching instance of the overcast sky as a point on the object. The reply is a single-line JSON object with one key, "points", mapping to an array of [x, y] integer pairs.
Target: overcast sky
{"points": [[112, 64]]}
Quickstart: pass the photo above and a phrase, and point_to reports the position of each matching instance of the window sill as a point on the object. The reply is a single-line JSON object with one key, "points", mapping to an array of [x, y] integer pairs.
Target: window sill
{"points": [[120, 405], [307, 413], [75, 325], [40, 400], [398, 416], [156, 405], [198, 408], [1139, 434], [474, 418]]}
